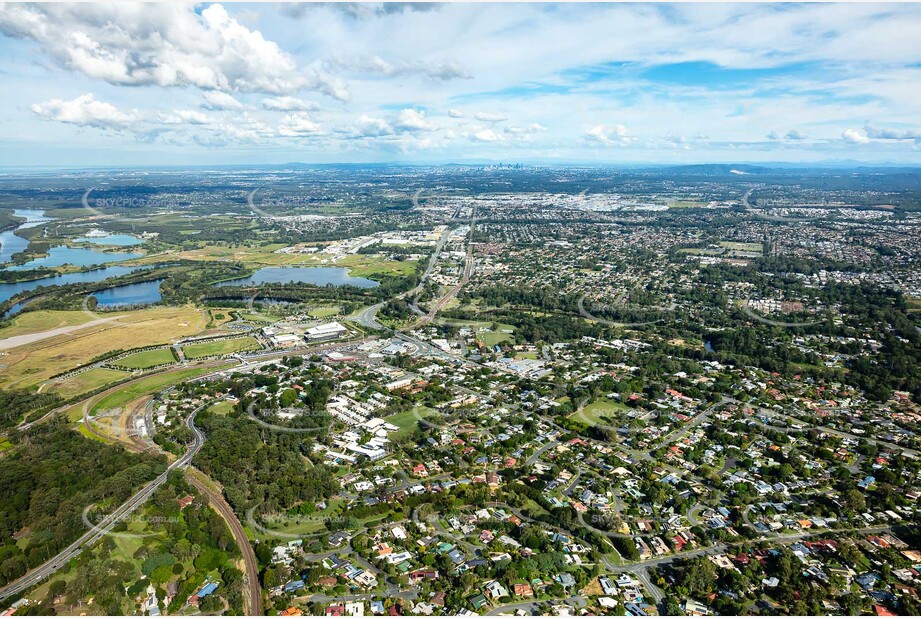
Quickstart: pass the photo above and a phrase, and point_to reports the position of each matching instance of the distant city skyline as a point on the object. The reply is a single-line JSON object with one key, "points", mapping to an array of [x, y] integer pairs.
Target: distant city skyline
{"points": [[225, 84]]}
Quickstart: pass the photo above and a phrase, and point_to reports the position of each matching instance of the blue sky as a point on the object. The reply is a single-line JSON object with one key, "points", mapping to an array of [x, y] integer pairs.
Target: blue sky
{"points": [[162, 84]]}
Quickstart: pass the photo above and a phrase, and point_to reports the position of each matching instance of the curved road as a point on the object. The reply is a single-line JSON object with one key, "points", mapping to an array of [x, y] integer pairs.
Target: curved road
{"points": [[253, 593]]}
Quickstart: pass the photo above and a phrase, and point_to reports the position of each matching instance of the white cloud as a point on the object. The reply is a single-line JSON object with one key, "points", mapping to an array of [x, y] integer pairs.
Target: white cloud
{"points": [[591, 67], [678, 141], [368, 126], [330, 86], [608, 135], [490, 117], [892, 134], [85, 111], [183, 116], [135, 44], [357, 10], [855, 136], [289, 104], [525, 133], [297, 124], [441, 71], [413, 120], [530, 129], [216, 100], [485, 135], [793, 135]]}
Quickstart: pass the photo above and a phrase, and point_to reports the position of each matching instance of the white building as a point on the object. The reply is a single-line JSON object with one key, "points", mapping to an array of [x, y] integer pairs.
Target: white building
{"points": [[324, 332]]}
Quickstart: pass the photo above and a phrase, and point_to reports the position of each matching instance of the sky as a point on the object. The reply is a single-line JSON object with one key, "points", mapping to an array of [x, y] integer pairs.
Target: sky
{"points": [[226, 83]]}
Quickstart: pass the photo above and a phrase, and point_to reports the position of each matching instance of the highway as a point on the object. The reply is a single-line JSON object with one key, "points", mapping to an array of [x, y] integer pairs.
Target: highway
{"points": [[367, 317], [53, 565]]}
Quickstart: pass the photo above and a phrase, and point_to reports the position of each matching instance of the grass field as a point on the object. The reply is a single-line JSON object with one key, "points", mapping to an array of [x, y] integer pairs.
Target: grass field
{"points": [[223, 346], [742, 246], [463, 323], [148, 358], [360, 265], [256, 317], [217, 317], [499, 333], [149, 385], [5, 444], [364, 266], [38, 321], [324, 312], [33, 363], [593, 412], [701, 251], [86, 433], [685, 204], [407, 421], [491, 338], [301, 524], [221, 407], [87, 381]]}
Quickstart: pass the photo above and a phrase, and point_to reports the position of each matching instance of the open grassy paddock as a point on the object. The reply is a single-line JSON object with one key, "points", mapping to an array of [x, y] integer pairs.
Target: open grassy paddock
{"points": [[38, 321], [594, 413], [148, 358], [149, 385], [223, 346], [30, 364], [407, 420], [85, 382], [324, 312], [499, 333]]}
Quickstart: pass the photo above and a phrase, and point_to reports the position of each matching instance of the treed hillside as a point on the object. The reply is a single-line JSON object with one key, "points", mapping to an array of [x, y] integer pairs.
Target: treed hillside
{"points": [[47, 481], [260, 468]]}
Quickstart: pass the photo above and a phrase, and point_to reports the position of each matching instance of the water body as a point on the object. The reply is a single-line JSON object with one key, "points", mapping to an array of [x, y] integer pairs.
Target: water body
{"points": [[143, 293], [114, 240], [14, 309], [708, 347], [321, 276], [10, 243], [59, 256], [9, 290]]}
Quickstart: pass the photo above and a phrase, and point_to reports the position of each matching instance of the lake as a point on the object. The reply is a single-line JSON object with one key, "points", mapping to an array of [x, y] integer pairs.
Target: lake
{"points": [[143, 293], [9, 290], [114, 240], [314, 275], [10, 243], [61, 255]]}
